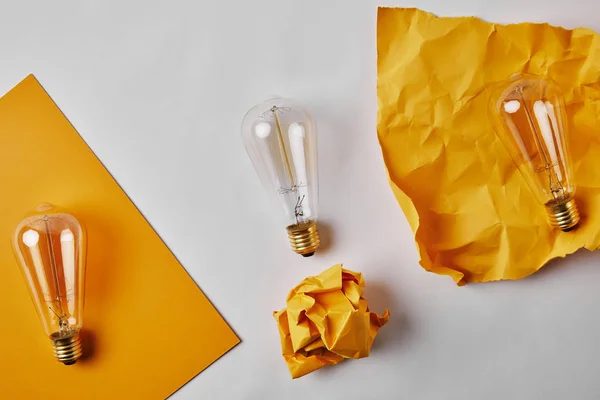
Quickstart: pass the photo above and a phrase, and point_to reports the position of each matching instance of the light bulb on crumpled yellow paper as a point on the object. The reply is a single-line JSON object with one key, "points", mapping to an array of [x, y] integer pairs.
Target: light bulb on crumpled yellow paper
{"points": [[326, 320], [531, 115], [50, 248], [480, 221], [280, 138]]}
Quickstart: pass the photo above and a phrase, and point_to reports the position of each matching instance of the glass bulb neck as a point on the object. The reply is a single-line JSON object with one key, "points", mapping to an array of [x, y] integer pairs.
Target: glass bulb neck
{"points": [[67, 347], [563, 215], [304, 237]]}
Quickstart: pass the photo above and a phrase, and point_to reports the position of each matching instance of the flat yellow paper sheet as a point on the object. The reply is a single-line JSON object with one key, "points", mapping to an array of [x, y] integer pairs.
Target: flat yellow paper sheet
{"points": [[472, 214], [148, 329], [327, 320]]}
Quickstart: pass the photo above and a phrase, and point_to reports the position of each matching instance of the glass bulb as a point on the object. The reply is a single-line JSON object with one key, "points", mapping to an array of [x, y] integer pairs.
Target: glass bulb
{"points": [[50, 249], [280, 138], [530, 112]]}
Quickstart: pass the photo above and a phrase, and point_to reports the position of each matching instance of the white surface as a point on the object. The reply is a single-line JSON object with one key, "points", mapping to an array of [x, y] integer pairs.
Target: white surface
{"points": [[158, 90]]}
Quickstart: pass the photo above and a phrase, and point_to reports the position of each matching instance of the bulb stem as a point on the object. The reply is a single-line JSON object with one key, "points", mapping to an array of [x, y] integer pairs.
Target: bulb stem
{"points": [[563, 215], [304, 237], [67, 348]]}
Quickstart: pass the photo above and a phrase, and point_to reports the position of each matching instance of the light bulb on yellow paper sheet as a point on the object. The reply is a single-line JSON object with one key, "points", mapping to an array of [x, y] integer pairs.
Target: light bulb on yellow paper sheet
{"points": [[50, 248], [533, 127], [280, 138]]}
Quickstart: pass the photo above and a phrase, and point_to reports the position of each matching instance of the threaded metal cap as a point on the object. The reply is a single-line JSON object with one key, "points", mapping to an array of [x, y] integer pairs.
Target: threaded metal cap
{"points": [[304, 238], [563, 215], [67, 348]]}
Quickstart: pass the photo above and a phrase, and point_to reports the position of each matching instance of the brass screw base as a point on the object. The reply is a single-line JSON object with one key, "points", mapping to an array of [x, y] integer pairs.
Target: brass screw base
{"points": [[304, 238], [67, 349], [563, 215]]}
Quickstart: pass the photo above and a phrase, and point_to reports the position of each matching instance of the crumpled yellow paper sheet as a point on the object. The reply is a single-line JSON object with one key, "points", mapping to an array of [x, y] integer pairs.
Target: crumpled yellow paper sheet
{"points": [[472, 214], [327, 320]]}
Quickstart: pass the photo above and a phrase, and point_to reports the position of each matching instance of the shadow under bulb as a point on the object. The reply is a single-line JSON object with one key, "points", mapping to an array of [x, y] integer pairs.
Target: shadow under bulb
{"points": [[50, 248], [280, 138]]}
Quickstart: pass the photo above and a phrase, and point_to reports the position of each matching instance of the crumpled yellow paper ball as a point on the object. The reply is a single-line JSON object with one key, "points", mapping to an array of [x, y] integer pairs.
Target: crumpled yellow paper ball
{"points": [[327, 320]]}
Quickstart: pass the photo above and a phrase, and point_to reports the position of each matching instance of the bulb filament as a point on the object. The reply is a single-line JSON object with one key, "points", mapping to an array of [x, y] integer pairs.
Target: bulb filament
{"points": [[554, 183], [284, 154], [297, 152], [62, 317], [292, 189], [298, 212]]}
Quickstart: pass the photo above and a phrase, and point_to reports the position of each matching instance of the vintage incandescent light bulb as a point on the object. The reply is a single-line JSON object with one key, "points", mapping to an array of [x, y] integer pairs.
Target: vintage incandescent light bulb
{"points": [[280, 138], [50, 248], [533, 127]]}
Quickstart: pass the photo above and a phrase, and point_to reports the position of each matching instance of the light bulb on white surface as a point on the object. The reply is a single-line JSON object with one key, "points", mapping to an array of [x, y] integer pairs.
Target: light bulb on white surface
{"points": [[50, 249], [280, 138]]}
